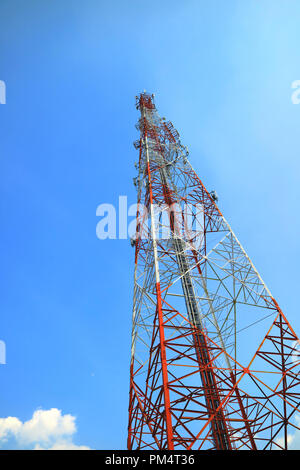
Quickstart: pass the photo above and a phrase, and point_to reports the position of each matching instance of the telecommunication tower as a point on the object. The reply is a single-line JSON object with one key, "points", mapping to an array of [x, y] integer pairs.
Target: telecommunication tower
{"points": [[197, 301]]}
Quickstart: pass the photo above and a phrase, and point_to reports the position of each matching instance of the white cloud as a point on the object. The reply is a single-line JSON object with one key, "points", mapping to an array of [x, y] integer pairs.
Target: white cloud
{"points": [[47, 429], [280, 441], [293, 440], [9, 426], [294, 443], [62, 445]]}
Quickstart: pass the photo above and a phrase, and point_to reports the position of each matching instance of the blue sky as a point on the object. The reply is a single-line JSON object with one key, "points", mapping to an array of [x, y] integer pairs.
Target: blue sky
{"points": [[222, 73]]}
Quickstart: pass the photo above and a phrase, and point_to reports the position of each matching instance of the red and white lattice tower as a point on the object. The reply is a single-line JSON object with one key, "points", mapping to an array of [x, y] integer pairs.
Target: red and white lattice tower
{"points": [[197, 301]]}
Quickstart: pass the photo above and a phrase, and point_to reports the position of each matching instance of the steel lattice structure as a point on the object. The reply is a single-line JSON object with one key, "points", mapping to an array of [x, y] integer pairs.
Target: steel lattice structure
{"points": [[197, 296]]}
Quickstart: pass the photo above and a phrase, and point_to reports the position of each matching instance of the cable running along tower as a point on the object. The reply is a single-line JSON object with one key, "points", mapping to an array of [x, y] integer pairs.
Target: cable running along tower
{"points": [[197, 298]]}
